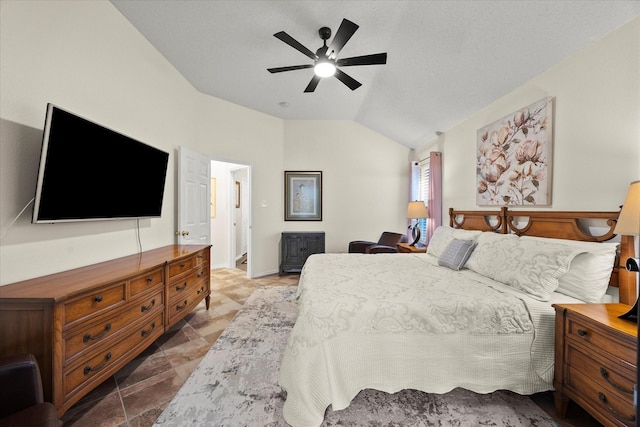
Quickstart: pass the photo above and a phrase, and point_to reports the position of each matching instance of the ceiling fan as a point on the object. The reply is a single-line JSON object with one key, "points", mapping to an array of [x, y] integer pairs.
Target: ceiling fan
{"points": [[324, 59]]}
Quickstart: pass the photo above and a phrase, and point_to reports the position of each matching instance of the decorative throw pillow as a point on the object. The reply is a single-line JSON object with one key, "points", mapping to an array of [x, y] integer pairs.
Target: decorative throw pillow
{"points": [[589, 272], [444, 234], [456, 254]]}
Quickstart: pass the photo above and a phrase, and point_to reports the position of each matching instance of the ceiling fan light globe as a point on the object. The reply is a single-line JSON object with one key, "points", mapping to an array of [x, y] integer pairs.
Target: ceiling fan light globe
{"points": [[324, 69]]}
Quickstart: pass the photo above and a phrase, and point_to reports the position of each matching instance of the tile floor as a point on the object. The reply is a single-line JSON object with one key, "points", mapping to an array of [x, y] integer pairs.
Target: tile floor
{"points": [[139, 392]]}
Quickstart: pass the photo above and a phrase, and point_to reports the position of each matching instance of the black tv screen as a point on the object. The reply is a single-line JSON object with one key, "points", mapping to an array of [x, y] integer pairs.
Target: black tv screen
{"points": [[88, 172]]}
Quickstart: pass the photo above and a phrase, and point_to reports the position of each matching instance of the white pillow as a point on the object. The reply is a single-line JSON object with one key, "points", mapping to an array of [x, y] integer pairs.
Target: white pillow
{"points": [[589, 272], [444, 235], [490, 252], [531, 266]]}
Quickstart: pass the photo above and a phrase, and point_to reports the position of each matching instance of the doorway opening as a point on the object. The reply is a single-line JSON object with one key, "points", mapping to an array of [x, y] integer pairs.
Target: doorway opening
{"points": [[231, 215]]}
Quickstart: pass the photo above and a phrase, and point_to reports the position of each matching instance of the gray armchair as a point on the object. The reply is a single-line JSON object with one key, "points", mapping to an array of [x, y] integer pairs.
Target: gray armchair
{"points": [[385, 244]]}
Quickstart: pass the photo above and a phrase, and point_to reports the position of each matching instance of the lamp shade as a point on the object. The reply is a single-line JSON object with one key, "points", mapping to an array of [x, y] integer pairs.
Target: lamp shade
{"points": [[629, 220], [417, 210]]}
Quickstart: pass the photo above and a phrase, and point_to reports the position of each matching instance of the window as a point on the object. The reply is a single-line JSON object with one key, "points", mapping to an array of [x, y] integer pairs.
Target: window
{"points": [[423, 194]]}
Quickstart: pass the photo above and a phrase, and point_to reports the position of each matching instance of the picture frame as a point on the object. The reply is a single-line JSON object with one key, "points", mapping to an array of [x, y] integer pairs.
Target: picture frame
{"points": [[514, 158], [303, 195]]}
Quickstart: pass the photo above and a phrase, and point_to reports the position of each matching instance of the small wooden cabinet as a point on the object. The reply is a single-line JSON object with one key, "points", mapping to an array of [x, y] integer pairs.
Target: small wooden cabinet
{"points": [[406, 248], [595, 361], [83, 325], [296, 247]]}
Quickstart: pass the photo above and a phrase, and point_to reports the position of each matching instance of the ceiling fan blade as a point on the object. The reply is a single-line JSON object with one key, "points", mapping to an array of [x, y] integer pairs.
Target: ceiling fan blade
{"points": [[352, 83], [344, 33], [290, 68], [312, 84], [375, 59], [295, 44]]}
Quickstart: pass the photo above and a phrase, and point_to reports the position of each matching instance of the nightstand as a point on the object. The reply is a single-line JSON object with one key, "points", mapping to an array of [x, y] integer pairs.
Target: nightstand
{"points": [[405, 248], [595, 361]]}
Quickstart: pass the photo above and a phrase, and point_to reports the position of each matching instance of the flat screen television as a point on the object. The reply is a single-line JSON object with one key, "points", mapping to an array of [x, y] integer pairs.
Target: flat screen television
{"points": [[89, 172]]}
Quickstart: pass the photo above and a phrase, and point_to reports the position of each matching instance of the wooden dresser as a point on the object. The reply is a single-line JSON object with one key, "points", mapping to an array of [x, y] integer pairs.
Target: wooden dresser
{"points": [[85, 324], [595, 361]]}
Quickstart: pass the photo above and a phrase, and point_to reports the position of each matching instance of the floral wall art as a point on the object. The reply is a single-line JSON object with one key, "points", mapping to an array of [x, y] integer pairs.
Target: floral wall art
{"points": [[514, 158]]}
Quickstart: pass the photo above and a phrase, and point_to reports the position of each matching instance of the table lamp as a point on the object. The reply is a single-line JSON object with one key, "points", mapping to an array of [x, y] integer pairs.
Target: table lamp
{"points": [[629, 225], [416, 210]]}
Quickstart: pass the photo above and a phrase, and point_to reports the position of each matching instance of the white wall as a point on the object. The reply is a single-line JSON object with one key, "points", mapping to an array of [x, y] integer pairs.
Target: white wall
{"points": [[365, 179], [86, 57], [596, 127]]}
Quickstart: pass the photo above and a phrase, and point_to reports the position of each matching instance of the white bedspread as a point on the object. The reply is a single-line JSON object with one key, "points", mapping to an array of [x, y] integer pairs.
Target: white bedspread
{"points": [[391, 322]]}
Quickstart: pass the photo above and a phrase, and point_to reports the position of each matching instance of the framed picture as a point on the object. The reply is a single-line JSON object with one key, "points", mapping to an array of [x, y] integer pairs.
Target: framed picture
{"points": [[513, 161], [302, 196]]}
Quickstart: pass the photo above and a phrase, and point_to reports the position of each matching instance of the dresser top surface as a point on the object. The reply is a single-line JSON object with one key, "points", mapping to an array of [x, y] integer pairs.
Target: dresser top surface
{"points": [[62, 285]]}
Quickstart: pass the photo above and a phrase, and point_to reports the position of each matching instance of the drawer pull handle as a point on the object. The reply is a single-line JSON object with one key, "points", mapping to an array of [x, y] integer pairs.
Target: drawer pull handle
{"points": [[582, 332], [605, 375], [98, 298], [88, 337], [199, 256], [603, 399], [201, 290], [150, 279], [144, 333], [180, 307], [148, 307], [182, 265], [178, 288], [88, 369]]}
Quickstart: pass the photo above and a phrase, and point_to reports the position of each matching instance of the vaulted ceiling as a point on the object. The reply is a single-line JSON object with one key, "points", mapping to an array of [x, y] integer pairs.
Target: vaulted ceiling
{"points": [[446, 59]]}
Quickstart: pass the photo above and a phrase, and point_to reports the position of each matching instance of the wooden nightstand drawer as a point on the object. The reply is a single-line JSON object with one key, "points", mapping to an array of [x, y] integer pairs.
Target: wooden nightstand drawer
{"points": [[592, 335], [610, 378], [610, 404]]}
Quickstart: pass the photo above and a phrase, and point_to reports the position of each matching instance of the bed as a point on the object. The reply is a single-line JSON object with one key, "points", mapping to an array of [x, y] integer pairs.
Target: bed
{"points": [[474, 312]]}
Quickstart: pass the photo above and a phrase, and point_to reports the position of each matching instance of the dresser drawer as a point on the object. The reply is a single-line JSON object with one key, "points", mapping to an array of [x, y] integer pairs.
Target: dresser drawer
{"points": [[589, 335], [611, 405], [609, 376], [180, 288], [90, 304], [106, 362], [179, 306], [145, 282], [176, 268], [84, 337]]}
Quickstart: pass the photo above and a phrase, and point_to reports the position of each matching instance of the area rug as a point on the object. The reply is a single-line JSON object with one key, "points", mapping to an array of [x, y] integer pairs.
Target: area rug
{"points": [[236, 384]]}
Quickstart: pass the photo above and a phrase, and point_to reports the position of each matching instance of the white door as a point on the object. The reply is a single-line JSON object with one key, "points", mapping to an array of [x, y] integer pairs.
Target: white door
{"points": [[194, 198]]}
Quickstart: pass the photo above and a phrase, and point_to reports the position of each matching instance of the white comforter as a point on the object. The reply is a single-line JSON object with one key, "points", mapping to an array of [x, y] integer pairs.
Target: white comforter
{"points": [[392, 322]]}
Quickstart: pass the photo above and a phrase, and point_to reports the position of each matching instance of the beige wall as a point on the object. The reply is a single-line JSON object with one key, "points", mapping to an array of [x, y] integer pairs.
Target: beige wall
{"points": [[596, 127], [84, 56], [365, 179]]}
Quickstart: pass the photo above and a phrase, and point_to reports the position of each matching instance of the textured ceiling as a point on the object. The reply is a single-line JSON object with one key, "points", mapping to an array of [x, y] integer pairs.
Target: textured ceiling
{"points": [[446, 59]]}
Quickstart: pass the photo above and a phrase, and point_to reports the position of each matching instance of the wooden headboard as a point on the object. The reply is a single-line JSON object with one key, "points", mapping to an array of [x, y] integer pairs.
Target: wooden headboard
{"points": [[559, 225]]}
